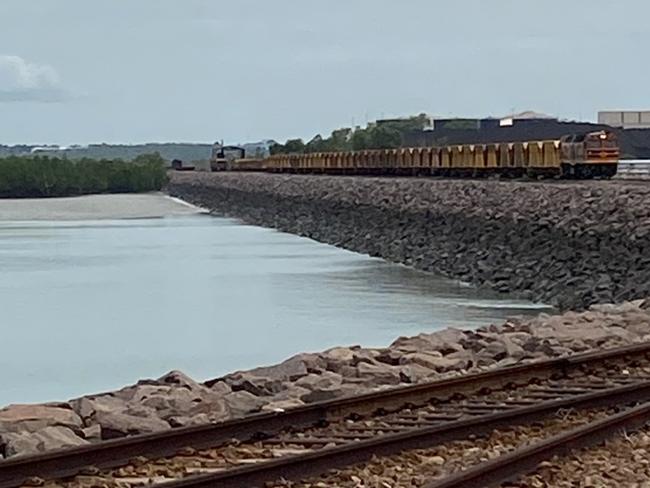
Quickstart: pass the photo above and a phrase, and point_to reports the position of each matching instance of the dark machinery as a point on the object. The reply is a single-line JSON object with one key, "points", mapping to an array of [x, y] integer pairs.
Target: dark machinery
{"points": [[222, 157]]}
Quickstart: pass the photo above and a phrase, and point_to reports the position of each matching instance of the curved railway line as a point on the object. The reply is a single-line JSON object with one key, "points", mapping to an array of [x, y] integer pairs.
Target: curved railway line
{"points": [[507, 468], [313, 439]]}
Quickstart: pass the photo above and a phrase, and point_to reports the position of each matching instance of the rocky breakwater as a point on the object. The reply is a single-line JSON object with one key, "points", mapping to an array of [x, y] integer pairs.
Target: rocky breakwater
{"points": [[176, 400], [569, 244]]}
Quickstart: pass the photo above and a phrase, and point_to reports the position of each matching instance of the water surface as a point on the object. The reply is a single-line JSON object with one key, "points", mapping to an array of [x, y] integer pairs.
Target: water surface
{"points": [[91, 305]]}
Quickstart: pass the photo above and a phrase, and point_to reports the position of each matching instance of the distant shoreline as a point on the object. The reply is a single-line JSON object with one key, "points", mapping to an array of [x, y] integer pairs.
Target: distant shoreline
{"points": [[96, 207]]}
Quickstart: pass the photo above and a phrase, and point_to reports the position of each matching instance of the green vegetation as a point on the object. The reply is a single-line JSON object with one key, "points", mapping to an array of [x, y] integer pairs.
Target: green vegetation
{"points": [[383, 134], [39, 176], [173, 150]]}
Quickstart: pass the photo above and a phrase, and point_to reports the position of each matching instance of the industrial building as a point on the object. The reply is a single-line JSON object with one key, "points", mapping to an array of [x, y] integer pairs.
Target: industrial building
{"points": [[626, 119]]}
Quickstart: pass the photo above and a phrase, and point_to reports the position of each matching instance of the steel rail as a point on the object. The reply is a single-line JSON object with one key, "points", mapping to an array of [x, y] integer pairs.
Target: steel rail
{"points": [[294, 468], [510, 466], [66, 462], [632, 170]]}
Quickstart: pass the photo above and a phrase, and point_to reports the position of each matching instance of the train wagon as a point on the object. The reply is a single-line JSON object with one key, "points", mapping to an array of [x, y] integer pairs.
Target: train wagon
{"points": [[590, 155]]}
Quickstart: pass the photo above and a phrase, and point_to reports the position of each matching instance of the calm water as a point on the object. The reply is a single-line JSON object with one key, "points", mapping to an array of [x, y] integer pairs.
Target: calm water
{"points": [[93, 305]]}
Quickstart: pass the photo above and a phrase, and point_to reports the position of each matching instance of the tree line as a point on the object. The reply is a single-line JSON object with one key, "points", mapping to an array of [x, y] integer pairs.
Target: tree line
{"points": [[385, 134], [42, 176]]}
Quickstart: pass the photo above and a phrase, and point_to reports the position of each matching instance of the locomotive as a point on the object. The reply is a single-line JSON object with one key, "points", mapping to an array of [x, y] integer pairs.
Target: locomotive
{"points": [[222, 157], [589, 155]]}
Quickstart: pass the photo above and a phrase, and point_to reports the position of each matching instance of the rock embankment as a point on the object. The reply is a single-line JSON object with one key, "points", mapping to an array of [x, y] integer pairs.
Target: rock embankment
{"points": [[569, 244], [176, 400]]}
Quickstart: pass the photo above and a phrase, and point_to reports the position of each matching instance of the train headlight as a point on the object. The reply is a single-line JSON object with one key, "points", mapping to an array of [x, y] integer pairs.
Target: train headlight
{"points": [[603, 136]]}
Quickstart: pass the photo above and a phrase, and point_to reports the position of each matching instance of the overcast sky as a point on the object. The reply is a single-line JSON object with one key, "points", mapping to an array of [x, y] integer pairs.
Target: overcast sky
{"points": [[79, 71]]}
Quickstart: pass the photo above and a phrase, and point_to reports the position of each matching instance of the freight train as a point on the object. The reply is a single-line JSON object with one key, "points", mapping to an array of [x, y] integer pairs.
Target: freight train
{"points": [[590, 155]]}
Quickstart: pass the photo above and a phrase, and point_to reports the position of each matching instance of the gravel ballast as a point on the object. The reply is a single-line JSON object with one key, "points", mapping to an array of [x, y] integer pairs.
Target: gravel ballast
{"points": [[568, 244], [619, 462]]}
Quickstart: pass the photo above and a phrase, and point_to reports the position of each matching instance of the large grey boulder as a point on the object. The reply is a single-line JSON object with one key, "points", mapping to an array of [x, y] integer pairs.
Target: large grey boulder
{"points": [[179, 379], [415, 373], [378, 374], [321, 387], [31, 418], [254, 384], [443, 341], [323, 381], [293, 368], [338, 357], [242, 403], [270, 380], [166, 401], [188, 420], [220, 388], [86, 407], [45, 439], [290, 397], [435, 363], [129, 422]]}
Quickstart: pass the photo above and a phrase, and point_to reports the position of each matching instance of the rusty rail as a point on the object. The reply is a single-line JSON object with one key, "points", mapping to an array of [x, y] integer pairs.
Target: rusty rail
{"points": [[67, 462], [509, 467], [299, 467]]}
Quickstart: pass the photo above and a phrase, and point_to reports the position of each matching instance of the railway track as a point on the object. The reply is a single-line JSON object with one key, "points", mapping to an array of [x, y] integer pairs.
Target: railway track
{"points": [[509, 467], [315, 438]]}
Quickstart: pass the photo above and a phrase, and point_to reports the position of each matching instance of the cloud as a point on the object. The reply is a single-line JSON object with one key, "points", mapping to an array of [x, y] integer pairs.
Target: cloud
{"points": [[22, 81]]}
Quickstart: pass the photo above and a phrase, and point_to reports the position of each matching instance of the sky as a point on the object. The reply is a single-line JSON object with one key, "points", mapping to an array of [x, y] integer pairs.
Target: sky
{"points": [[129, 71]]}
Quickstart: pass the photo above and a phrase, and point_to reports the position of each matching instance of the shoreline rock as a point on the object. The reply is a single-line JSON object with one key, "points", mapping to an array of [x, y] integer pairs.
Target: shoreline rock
{"points": [[176, 400], [567, 244]]}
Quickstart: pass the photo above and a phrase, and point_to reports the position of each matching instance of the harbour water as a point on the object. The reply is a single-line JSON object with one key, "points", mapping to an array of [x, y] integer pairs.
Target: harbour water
{"points": [[96, 294]]}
